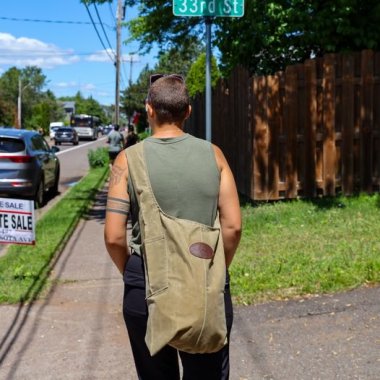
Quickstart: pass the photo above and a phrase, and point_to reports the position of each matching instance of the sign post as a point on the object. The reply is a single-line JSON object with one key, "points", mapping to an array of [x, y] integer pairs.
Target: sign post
{"points": [[208, 79], [208, 9]]}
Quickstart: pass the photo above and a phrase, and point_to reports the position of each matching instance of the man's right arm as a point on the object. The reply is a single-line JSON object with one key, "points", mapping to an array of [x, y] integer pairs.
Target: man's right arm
{"points": [[117, 213], [229, 207]]}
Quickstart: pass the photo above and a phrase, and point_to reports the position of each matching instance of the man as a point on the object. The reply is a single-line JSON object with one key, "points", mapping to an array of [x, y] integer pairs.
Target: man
{"points": [[116, 143], [190, 179]]}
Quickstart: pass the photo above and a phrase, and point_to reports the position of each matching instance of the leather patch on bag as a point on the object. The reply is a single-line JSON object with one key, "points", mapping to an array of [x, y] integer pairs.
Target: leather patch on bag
{"points": [[201, 250]]}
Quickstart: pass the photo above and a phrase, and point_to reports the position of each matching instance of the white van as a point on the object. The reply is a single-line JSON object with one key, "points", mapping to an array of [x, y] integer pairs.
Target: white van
{"points": [[53, 127]]}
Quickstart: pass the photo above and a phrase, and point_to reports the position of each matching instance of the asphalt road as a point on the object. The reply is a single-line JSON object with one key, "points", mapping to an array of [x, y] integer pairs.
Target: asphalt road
{"points": [[74, 161]]}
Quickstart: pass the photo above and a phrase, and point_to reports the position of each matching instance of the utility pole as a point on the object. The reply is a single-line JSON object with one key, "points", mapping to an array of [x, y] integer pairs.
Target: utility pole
{"points": [[131, 59], [19, 102], [119, 17]]}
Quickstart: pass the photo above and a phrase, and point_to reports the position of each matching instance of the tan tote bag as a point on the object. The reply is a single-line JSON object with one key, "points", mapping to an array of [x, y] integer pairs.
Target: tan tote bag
{"points": [[185, 272]]}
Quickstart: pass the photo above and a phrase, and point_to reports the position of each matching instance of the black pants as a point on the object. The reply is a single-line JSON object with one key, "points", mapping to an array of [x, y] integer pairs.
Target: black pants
{"points": [[164, 365], [112, 155]]}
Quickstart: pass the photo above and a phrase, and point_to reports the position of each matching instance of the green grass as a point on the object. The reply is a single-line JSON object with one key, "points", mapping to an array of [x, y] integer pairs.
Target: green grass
{"points": [[306, 247], [287, 249], [24, 270]]}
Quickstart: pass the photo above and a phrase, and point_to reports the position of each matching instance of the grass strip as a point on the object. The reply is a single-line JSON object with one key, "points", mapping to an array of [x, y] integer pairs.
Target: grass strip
{"points": [[288, 248], [24, 270], [301, 247]]}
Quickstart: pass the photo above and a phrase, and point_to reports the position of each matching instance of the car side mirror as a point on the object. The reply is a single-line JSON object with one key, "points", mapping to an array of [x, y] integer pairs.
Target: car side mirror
{"points": [[54, 149]]}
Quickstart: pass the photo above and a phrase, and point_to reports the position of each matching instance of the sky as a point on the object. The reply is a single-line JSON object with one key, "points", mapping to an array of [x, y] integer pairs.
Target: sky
{"points": [[58, 37]]}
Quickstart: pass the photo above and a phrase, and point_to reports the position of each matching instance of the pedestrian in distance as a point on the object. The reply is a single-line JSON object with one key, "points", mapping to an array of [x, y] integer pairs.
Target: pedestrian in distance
{"points": [[189, 179], [116, 143], [132, 137]]}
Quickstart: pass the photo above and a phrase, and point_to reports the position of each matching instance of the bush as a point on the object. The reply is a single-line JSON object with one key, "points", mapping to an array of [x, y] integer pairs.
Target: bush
{"points": [[98, 157]]}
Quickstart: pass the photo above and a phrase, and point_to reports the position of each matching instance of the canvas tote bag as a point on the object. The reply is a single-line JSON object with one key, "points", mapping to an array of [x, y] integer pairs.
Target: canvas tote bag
{"points": [[185, 272]]}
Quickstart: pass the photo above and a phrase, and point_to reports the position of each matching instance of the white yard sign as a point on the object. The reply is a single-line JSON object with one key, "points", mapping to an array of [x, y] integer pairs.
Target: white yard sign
{"points": [[16, 221]]}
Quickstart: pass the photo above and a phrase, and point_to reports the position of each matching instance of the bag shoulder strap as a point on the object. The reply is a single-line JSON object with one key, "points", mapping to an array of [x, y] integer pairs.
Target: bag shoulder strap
{"points": [[138, 173]]}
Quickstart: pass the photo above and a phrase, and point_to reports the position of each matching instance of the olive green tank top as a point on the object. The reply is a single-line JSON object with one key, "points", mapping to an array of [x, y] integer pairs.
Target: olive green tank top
{"points": [[185, 180]]}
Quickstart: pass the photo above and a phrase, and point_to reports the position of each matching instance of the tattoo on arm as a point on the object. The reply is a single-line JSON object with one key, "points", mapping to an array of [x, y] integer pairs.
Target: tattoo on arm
{"points": [[116, 175], [117, 205]]}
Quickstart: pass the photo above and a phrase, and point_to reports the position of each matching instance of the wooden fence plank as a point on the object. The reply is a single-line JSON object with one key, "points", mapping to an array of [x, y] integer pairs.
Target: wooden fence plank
{"points": [[376, 123], [260, 139], [301, 125], [281, 138], [290, 119], [274, 116], [310, 128], [244, 135], [329, 124], [348, 124], [366, 119], [319, 173]]}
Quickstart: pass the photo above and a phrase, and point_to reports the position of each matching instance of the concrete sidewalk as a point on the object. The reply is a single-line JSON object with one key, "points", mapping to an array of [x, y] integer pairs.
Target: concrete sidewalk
{"points": [[77, 330]]}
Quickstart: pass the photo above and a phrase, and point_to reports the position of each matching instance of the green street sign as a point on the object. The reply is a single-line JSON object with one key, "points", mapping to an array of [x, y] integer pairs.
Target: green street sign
{"points": [[217, 8]]}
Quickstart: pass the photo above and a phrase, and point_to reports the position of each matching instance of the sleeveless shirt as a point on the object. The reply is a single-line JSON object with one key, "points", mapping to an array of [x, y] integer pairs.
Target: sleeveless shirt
{"points": [[185, 180]]}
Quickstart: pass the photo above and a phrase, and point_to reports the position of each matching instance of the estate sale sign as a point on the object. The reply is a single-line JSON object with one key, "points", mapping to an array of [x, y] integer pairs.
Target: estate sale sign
{"points": [[17, 221]]}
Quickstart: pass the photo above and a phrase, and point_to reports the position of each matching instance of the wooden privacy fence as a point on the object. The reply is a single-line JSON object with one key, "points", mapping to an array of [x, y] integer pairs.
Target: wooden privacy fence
{"points": [[311, 130]]}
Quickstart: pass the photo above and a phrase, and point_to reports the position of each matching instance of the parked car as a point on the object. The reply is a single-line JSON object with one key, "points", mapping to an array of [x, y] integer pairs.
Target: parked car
{"points": [[107, 129], [28, 166], [66, 135], [53, 128]]}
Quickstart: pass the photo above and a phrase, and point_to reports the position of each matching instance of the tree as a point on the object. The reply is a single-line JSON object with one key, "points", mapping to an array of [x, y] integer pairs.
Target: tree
{"points": [[46, 110], [88, 106], [8, 111], [274, 34], [271, 35], [196, 77], [176, 61], [179, 59], [133, 97], [32, 81], [8, 96]]}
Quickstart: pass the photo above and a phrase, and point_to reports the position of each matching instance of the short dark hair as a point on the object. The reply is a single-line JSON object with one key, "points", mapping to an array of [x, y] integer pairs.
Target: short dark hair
{"points": [[169, 98], [116, 127]]}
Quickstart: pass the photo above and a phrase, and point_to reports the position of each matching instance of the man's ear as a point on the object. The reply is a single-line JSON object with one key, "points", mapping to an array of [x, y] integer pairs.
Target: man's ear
{"points": [[188, 113], [149, 109]]}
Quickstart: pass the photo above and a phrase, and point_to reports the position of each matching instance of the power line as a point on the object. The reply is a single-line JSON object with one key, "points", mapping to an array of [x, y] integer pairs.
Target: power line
{"points": [[50, 21], [97, 32], [34, 52], [101, 24], [112, 12]]}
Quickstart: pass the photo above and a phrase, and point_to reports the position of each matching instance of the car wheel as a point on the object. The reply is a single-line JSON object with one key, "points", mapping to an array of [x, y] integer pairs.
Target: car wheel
{"points": [[40, 194]]}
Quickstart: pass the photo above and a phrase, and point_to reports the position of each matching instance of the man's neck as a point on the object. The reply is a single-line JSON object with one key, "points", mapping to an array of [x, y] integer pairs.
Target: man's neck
{"points": [[167, 131]]}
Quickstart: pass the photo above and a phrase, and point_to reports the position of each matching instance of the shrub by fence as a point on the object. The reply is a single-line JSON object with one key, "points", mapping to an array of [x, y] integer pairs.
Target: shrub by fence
{"points": [[311, 130]]}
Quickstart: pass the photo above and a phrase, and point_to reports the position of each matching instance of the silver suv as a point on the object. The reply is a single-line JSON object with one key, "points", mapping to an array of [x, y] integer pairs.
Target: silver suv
{"points": [[28, 166]]}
